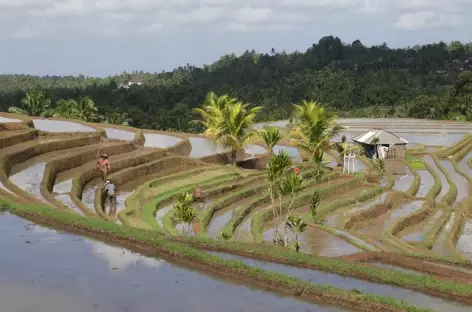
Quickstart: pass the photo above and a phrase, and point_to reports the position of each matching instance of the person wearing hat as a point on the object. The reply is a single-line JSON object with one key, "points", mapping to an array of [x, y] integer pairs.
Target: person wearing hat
{"points": [[104, 165], [109, 190]]}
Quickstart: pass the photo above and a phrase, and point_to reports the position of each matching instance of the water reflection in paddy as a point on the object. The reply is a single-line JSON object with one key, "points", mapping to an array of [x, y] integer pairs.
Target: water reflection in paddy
{"points": [[118, 134], [290, 150], [44, 271], [202, 147], [160, 140], [6, 119], [60, 126]]}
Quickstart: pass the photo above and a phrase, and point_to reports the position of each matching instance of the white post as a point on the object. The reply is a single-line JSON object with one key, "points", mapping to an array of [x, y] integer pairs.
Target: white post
{"points": [[353, 163]]}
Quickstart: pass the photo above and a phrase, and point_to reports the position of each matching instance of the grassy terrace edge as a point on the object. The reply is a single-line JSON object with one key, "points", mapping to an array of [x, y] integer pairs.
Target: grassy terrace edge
{"points": [[182, 253]]}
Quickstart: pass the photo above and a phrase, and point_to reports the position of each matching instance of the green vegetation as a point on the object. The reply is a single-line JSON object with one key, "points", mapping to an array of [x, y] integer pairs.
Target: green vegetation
{"points": [[354, 79], [436, 188], [451, 195], [415, 185], [415, 162], [229, 122]]}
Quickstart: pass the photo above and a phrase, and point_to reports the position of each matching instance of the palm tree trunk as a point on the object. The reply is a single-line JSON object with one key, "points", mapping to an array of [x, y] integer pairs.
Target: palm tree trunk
{"points": [[233, 157]]}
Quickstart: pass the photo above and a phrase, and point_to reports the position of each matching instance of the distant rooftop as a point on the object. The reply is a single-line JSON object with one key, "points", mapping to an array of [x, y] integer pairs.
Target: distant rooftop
{"points": [[384, 137]]}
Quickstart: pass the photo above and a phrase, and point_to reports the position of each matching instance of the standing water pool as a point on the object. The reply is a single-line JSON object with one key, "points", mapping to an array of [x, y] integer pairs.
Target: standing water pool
{"points": [[44, 271]]}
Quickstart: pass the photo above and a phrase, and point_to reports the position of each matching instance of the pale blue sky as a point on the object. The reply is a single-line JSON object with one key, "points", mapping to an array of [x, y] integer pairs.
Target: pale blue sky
{"points": [[102, 37]]}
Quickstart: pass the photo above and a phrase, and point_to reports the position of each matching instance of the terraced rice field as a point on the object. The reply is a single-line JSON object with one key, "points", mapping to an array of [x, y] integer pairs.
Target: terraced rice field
{"points": [[407, 238]]}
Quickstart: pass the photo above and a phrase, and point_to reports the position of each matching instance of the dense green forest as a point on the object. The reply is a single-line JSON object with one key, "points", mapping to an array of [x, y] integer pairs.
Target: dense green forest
{"points": [[429, 81]]}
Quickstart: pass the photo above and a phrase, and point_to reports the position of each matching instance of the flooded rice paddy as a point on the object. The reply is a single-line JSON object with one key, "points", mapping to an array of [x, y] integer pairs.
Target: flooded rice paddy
{"points": [[30, 178], [462, 185], [464, 166], [254, 149], [202, 147], [394, 267], [50, 125], [404, 181], [290, 150], [161, 212], [443, 244], [316, 241], [464, 244], [442, 177], [336, 218], [6, 119], [88, 194], [382, 222], [160, 140], [427, 181], [44, 271], [319, 277], [118, 134], [417, 232]]}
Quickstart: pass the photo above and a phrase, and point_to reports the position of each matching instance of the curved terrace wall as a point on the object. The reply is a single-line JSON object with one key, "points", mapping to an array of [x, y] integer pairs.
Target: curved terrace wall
{"points": [[79, 182], [53, 168], [9, 160], [126, 175]]}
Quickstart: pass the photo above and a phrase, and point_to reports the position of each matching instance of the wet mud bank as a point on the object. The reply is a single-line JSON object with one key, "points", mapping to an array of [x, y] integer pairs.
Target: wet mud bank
{"points": [[444, 183], [347, 283], [435, 269]]}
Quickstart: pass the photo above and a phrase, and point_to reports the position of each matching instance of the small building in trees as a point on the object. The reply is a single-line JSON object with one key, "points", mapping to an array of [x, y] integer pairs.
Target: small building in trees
{"points": [[381, 144]]}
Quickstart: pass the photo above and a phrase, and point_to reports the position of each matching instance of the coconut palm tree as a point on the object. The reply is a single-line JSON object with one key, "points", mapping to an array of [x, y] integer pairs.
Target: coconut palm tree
{"points": [[118, 118], [86, 109], [33, 104], [271, 137], [66, 109], [212, 112], [316, 129], [235, 130]]}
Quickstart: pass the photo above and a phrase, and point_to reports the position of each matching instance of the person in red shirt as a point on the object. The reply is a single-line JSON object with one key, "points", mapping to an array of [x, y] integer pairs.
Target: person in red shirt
{"points": [[296, 170], [104, 166]]}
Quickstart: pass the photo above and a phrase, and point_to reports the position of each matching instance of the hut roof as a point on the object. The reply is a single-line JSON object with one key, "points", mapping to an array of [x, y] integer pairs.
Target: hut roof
{"points": [[384, 137]]}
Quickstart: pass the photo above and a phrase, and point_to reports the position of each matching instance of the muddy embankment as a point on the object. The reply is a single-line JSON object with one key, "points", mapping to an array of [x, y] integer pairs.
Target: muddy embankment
{"points": [[53, 168], [79, 181], [31, 149], [163, 166]]}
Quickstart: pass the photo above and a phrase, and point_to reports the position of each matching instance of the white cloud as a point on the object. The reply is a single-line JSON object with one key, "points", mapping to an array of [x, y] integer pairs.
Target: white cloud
{"points": [[118, 17], [416, 20]]}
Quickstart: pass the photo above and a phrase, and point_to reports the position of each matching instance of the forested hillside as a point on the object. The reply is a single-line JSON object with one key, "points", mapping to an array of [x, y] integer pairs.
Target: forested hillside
{"points": [[431, 81]]}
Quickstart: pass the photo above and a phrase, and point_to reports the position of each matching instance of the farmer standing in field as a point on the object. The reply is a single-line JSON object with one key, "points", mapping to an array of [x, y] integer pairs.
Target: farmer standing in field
{"points": [[104, 165], [110, 193], [198, 195]]}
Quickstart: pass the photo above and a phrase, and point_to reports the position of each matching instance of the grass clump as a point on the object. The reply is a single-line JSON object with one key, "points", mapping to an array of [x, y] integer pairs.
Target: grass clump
{"points": [[414, 162]]}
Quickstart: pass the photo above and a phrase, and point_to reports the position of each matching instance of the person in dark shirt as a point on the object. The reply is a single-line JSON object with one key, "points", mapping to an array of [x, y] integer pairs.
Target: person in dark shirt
{"points": [[110, 193]]}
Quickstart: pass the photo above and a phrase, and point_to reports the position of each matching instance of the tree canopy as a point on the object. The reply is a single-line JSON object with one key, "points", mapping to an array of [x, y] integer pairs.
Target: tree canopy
{"points": [[428, 81]]}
